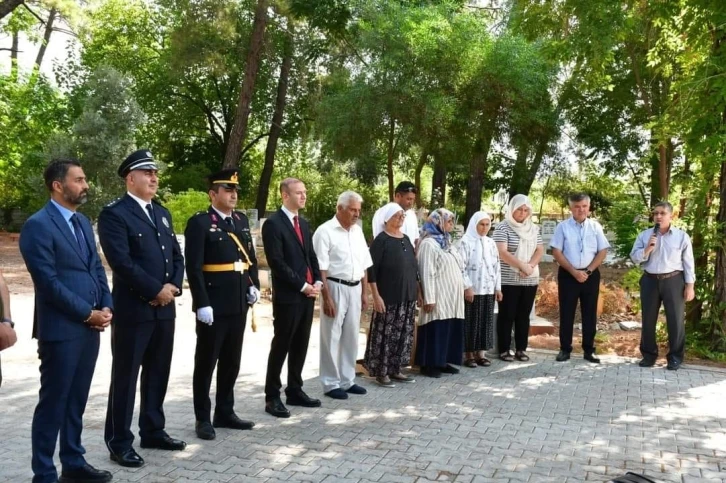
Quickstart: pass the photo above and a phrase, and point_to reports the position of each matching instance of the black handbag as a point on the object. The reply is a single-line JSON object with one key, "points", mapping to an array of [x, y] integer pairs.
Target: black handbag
{"points": [[630, 477]]}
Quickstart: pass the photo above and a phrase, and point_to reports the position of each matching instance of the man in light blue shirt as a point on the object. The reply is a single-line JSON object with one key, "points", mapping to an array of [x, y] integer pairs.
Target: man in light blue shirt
{"points": [[665, 254], [579, 246]]}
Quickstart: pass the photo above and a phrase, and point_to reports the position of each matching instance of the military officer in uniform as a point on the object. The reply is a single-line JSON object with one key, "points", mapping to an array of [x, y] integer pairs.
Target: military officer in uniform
{"points": [[222, 273], [137, 237]]}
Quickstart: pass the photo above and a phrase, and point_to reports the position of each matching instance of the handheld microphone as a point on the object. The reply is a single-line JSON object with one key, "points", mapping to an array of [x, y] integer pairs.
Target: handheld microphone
{"points": [[656, 229]]}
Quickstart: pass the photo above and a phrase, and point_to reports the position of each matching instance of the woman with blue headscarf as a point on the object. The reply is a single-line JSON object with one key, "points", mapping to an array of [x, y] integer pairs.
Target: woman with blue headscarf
{"points": [[440, 336]]}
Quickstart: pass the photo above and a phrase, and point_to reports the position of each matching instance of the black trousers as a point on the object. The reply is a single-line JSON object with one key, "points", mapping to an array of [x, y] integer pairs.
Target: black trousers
{"points": [[514, 310], [669, 292], [292, 324], [145, 345], [218, 345], [569, 291]]}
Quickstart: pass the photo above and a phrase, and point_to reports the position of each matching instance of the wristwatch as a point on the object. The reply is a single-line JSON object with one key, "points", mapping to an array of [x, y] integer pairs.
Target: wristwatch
{"points": [[8, 321], [588, 271]]}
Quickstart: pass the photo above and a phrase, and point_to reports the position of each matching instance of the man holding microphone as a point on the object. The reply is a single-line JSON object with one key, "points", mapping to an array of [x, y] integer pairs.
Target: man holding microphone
{"points": [[665, 254]]}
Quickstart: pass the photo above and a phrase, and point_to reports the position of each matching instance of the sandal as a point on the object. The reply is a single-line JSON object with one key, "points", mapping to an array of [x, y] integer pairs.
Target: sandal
{"points": [[385, 381], [483, 361], [506, 357], [521, 356], [470, 363]]}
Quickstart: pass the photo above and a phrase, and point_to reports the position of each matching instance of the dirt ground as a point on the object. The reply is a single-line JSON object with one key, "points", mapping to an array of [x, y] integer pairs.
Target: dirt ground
{"points": [[623, 343]]}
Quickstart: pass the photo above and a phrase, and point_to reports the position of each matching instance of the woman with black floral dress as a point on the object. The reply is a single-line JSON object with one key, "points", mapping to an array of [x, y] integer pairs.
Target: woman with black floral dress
{"points": [[394, 284]]}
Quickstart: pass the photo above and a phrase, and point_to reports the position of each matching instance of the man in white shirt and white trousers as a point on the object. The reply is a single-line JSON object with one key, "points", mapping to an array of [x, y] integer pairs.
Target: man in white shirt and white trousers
{"points": [[343, 257], [405, 196]]}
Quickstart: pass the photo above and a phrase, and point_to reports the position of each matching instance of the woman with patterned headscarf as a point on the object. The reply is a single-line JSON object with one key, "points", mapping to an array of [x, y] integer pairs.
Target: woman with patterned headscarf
{"points": [[440, 327], [520, 250], [483, 285]]}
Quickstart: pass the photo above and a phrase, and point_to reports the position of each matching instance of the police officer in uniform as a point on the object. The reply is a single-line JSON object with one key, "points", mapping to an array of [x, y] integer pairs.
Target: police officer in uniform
{"points": [[222, 273], [138, 240]]}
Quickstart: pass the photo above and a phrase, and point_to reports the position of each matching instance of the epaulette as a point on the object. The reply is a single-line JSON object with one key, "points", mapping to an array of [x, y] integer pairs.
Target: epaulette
{"points": [[200, 213], [113, 202]]}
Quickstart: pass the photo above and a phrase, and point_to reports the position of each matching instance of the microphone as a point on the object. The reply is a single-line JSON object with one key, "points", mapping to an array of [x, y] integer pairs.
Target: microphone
{"points": [[656, 229]]}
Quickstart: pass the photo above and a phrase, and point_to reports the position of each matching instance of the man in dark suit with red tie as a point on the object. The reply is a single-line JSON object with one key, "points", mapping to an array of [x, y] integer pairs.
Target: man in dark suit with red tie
{"points": [[296, 283]]}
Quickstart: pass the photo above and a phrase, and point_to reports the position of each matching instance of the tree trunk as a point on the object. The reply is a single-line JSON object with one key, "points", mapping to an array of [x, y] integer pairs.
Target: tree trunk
{"points": [[694, 309], [7, 6], [46, 37], [682, 201], [14, 57], [519, 171], [242, 115], [438, 184], [719, 302], [477, 171], [389, 157], [276, 128], [417, 175]]}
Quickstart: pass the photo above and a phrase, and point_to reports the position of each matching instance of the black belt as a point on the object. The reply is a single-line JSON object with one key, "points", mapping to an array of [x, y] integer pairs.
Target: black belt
{"points": [[661, 276], [344, 282]]}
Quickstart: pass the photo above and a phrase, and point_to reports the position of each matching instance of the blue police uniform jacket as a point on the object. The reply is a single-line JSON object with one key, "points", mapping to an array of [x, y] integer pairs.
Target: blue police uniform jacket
{"points": [[143, 256]]}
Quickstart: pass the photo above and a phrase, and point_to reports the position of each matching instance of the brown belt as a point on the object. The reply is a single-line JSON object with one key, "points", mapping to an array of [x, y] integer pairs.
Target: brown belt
{"points": [[237, 266], [661, 276]]}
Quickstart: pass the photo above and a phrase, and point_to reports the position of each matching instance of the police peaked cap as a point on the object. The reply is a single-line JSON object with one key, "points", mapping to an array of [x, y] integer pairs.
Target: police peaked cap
{"points": [[141, 159], [229, 178]]}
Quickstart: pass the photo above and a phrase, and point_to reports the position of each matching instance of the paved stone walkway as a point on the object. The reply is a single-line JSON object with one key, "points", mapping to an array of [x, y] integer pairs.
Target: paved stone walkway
{"points": [[540, 421]]}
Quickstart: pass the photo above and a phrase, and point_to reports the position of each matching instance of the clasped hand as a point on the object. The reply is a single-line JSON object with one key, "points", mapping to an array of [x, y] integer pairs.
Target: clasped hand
{"points": [[100, 319], [165, 296]]}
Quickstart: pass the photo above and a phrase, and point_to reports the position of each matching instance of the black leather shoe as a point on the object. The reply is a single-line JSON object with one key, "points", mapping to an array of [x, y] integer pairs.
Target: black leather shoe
{"points": [[129, 458], [165, 442], [85, 474], [673, 365], [449, 369], [205, 430], [232, 421], [591, 358], [646, 363], [434, 372], [563, 356], [301, 399], [356, 389], [276, 408], [336, 393]]}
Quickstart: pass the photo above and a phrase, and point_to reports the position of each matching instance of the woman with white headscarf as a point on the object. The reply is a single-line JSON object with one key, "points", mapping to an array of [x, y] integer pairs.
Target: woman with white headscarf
{"points": [[520, 250], [482, 285], [440, 337], [393, 279]]}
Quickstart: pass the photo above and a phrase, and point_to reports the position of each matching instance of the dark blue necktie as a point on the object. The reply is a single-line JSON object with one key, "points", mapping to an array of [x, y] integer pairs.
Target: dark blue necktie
{"points": [[79, 236], [150, 210]]}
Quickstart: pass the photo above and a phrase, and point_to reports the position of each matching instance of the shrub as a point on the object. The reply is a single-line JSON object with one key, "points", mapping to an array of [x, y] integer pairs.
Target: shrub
{"points": [[183, 205]]}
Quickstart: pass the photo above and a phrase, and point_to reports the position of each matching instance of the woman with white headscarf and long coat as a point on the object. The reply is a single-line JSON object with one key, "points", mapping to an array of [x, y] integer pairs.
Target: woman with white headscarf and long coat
{"points": [[393, 279], [520, 249], [440, 337], [482, 286]]}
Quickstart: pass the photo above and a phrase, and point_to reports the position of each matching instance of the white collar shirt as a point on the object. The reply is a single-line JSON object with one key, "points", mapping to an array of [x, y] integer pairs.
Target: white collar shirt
{"points": [[342, 253], [142, 204]]}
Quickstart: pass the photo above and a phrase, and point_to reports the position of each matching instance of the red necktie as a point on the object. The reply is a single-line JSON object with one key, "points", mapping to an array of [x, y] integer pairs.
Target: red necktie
{"points": [[298, 232]]}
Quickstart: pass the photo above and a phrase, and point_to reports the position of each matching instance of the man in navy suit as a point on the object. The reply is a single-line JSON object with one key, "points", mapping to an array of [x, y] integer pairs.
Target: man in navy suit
{"points": [[295, 284], [138, 240], [72, 304]]}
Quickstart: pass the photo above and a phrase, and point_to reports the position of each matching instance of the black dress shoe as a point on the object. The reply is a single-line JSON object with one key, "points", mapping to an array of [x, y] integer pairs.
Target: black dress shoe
{"points": [[434, 372], [449, 369], [356, 389], [336, 393], [232, 421], [129, 458], [165, 442], [646, 362], [673, 365], [299, 398], [85, 474], [276, 408], [205, 430], [563, 356], [591, 358]]}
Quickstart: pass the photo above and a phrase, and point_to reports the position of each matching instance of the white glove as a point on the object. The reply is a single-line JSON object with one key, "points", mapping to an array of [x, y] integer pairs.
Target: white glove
{"points": [[253, 295], [205, 315]]}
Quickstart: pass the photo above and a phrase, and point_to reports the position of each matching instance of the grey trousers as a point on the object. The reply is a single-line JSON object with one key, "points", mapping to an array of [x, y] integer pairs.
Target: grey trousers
{"points": [[669, 292]]}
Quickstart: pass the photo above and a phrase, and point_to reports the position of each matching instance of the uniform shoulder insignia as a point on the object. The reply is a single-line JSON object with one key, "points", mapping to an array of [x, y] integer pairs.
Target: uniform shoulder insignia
{"points": [[198, 213], [113, 202]]}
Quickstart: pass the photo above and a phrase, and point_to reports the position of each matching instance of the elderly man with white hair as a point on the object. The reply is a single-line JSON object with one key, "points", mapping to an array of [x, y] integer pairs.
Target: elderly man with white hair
{"points": [[343, 258]]}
